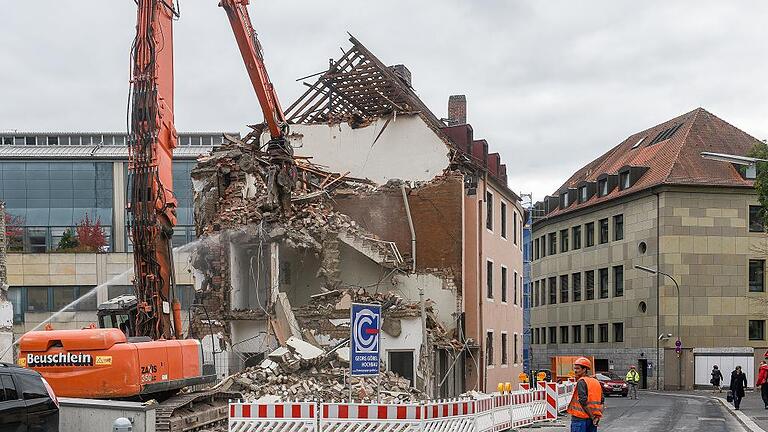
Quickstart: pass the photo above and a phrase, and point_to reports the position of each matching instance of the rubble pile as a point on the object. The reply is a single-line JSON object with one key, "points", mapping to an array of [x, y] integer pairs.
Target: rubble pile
{"points": [[301, 371]]}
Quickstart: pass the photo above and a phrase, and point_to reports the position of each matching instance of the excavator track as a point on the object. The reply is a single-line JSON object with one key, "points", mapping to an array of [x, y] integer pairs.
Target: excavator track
{"points": [[196, 411]]}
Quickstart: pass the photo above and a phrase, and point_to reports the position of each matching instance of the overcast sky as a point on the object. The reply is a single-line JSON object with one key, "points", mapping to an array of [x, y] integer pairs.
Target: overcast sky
{"points": [[550, 84]]}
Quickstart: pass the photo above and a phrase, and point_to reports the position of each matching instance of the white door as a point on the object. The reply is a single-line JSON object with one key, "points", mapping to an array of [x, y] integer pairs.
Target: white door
{"points": [[726, 363]]}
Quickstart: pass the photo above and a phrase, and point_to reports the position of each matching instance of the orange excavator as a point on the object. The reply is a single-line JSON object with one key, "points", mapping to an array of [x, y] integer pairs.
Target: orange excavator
{"points": [[138, 351]]}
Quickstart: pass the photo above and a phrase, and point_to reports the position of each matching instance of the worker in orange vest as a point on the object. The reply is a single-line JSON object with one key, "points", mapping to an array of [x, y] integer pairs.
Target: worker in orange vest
{"points": [[586, 406]]}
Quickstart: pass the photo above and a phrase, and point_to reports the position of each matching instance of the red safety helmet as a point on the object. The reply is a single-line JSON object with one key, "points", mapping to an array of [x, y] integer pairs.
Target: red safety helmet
{"points": [[584, 362]]}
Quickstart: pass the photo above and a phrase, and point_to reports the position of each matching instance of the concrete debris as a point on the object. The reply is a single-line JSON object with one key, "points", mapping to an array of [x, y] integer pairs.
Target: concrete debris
{"points": [[321, 376], [304, 350]]}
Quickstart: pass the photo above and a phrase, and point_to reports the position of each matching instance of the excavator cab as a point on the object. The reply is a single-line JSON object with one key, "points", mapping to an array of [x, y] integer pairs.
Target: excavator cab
{"points": [[120, 313]]}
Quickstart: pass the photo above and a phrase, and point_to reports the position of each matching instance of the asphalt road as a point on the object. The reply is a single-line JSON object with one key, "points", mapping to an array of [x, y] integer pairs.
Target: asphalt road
{"points": [[654, 412]]}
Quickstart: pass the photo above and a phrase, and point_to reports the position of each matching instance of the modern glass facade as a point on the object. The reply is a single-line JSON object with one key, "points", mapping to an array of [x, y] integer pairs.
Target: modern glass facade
{"points": [[45, 198]]}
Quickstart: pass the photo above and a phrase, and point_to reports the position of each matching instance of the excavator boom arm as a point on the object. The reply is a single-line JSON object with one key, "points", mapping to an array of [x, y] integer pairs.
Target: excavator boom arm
{"points": [[152, 138], [250, 50]]}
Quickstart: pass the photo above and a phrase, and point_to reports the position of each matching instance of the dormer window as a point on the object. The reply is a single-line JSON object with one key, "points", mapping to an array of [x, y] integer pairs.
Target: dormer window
{"points": [[602, 187], [565, 200], [583, 193], [624, 180]]}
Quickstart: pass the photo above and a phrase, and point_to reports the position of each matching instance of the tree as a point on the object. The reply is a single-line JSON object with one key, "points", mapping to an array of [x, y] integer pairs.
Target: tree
{"points": [[14, 232], [90, 236], [68, 240], [760, 151]]}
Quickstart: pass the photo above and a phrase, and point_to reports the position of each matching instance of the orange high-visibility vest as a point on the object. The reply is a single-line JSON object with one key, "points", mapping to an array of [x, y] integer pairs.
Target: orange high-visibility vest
{"points": [[594, 400]]}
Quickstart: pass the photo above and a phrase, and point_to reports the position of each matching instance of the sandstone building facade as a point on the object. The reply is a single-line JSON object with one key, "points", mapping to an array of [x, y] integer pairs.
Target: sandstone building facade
{"points": [[654, 201]]}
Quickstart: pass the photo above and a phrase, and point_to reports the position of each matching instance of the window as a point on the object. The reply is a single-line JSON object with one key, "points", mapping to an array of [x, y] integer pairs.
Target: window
{"points": [[553, 290], [564, 289], [590, 229], [602, 187], [756, 275], [618, 281], [63, 296], [583, 194], [564, 334], [489, 278], [504, 220], [536, 337], [603, 283], [553, 335], [624, 180], [576, 283], [640, 141], [590, 285], [504, 358], [53, 140], [31, 386], [504, 284], [514, 226], [576, 334], [602, 331], [401, 362], [515, 352], [535, 249], [566, 201], [489, 211], [603, 231], [618, 332], [589, 329], [535, 293], [756, 221], [514, 293], [756, 329], [618, 227], [543, 293], [576, 231], [543, 246], [489, 348], [552, 243], [564, 240], [37, 299], [8, 388]]}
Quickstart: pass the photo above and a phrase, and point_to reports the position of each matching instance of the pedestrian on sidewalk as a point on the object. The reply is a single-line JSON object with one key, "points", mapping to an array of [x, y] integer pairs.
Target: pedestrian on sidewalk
{"points": [[633, 379], [717, 378], [762, 382], [738, 384], [586, 406]]}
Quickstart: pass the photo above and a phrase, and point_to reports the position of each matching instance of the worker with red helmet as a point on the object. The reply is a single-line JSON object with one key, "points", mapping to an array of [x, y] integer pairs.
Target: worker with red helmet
{"points": [[586, 406]]}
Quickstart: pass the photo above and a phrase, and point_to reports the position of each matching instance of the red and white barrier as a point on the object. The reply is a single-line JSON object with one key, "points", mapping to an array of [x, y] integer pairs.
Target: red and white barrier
{"points": [[489, 413], [457, 416], [370, 417], [484, 414], [287, 417]]}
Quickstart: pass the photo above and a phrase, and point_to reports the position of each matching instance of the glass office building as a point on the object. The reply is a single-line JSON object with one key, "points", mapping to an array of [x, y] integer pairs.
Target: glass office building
{"points": [[49, 183]]}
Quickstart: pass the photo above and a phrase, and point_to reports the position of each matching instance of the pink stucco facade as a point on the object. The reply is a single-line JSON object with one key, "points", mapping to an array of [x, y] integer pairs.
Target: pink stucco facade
{"points": [[493, 280]]}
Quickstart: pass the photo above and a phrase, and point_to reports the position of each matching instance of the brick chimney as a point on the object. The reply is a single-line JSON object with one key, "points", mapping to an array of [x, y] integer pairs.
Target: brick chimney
{"points": [[457, 110], [403, 73]]}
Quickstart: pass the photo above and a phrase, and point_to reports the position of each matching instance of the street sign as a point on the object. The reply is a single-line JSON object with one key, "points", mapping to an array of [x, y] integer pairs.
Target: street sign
{"points": [[365, 340]]}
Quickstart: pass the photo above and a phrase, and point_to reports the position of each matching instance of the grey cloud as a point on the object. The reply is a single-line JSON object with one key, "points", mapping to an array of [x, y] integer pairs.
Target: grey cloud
{"points": [[550, 84]]}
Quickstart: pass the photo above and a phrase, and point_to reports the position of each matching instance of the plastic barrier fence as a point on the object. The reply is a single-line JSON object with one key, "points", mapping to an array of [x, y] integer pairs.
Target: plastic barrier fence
{"points": [[285, 417], [490, 413]]}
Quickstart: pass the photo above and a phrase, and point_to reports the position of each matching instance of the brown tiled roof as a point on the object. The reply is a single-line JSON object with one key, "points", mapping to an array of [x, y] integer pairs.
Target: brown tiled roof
{"points": [[675, 160]]}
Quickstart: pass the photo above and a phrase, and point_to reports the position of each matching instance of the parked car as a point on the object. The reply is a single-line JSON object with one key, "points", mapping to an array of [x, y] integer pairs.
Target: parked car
{"points": [[612, 384], [27, 402]]}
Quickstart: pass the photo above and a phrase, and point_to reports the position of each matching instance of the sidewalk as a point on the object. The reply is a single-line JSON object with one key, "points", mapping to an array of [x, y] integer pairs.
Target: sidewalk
{"points": [[752, 413]]}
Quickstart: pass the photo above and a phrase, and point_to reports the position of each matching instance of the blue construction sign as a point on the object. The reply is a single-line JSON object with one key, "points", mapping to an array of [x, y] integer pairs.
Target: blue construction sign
{"points": [[365, 340]]}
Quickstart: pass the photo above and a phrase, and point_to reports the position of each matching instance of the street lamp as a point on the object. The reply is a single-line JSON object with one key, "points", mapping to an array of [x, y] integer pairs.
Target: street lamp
{"points": [[678, 343]]}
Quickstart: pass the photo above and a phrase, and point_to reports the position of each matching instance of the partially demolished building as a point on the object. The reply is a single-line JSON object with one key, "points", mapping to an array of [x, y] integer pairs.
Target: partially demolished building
{"points": [[390, 204]]}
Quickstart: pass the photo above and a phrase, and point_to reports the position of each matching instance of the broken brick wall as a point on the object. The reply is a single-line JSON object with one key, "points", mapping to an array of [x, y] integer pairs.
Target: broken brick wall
{"points": [[436, 210]]}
